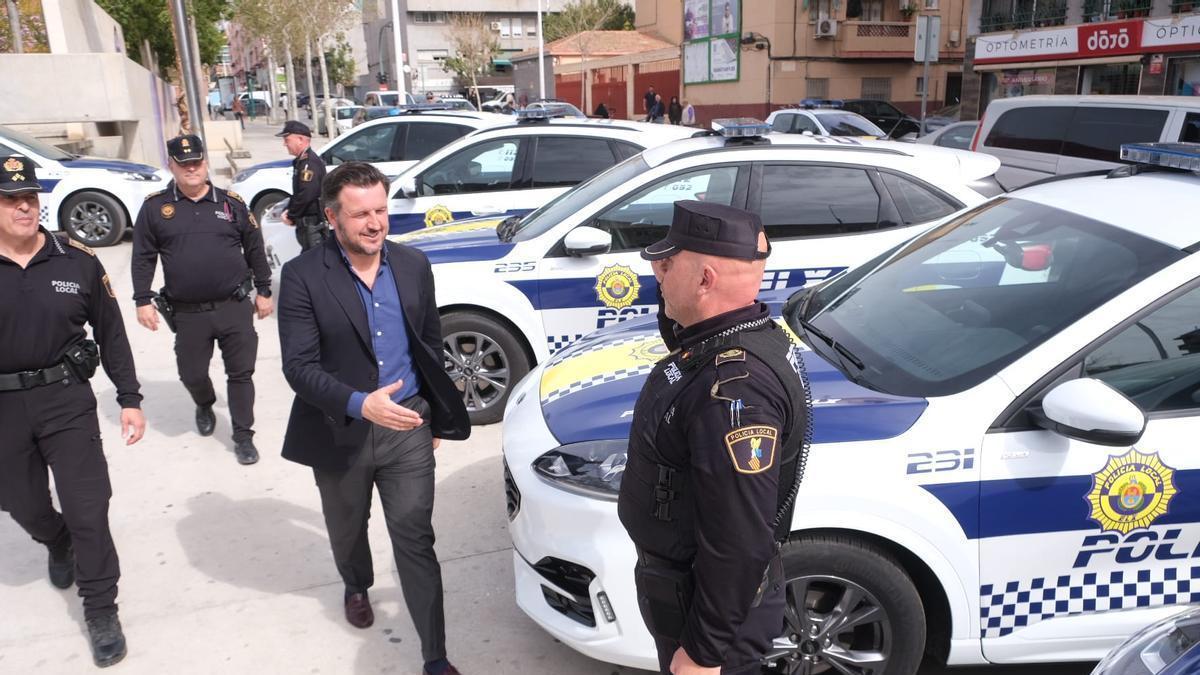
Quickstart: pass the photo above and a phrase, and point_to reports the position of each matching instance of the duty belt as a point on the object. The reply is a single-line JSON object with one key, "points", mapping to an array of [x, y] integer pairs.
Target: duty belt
{"points": [[192, 307], [29, 379]]}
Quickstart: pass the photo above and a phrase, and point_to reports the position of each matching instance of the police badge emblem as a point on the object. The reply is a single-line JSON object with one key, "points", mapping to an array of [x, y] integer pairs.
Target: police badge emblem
{"points": [[167, 211], [438, 215], [13, 164], [617, 286], [752, 449], [1131, 492]]}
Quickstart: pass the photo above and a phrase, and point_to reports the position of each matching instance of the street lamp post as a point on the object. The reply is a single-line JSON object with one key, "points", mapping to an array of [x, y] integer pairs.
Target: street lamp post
{"points": [[541, 57], [397, 49]]}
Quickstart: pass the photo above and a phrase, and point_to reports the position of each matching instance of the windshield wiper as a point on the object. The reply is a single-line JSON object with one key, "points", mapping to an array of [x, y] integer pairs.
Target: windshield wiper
{"points": [[841, 349], [507, 228]]}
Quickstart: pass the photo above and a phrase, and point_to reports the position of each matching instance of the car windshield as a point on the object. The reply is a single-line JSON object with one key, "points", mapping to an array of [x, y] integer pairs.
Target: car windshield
{"points": [[849, 124], [346, 113], [40, 147], [578, 198], [952, 307]]}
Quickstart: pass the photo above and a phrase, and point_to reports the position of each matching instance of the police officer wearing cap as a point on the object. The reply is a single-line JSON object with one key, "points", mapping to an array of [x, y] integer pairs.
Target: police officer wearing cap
{"points": [[213, 255], [715, 451], [308, 173], [49, 288]]}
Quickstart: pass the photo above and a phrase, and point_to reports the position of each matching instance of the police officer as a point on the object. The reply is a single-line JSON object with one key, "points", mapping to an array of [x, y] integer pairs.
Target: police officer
{"points": [[209, 243], [714, 450], [49, 288], [308, 173]]}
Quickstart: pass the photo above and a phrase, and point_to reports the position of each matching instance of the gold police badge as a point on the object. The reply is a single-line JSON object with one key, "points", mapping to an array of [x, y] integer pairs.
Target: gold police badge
{"points": [[752, 449], [617, 286], [13, 164], [167, 211], [649, 351], [438, 215], [1131, 492]]}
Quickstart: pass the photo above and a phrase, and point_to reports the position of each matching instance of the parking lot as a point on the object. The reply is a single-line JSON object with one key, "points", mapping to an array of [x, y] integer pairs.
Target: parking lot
{"points": [[227, 568]]}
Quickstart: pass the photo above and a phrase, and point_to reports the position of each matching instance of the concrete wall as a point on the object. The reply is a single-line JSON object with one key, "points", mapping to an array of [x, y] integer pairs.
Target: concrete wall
{"points": [[110, 94], [81, 27]]}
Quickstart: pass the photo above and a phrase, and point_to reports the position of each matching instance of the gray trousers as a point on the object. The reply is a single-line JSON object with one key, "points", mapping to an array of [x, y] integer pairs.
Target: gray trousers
{"points": [[400, 465]]}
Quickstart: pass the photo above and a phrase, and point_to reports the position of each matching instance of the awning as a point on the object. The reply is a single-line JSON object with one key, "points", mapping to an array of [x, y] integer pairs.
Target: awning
{"points": [[1026, 65], [501, 62]]}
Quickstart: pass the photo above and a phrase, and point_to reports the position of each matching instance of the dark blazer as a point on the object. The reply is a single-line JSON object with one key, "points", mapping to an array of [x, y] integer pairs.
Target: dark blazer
{"points": [[328, 354]]}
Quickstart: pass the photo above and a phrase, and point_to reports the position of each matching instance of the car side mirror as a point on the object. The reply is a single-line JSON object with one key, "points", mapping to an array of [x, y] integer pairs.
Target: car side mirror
{"points": [[585, 241], [1089, 410], [407, 187]]}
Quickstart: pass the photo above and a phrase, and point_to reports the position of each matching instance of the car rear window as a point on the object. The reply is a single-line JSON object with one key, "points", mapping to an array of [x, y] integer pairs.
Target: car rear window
{"points": [[1033, 129], [1097, 133]]}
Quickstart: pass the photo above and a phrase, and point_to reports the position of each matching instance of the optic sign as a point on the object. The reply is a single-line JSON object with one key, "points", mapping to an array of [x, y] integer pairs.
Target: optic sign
{"points": [[1090, 41]]}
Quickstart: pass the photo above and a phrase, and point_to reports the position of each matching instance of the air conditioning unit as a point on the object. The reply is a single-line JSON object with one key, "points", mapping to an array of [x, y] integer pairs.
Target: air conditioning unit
{"points": [[495, 25], [826, 28]]}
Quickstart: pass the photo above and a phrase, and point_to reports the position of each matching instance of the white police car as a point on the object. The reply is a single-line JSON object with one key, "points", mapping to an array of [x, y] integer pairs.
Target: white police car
{"points": [[393, 144], [92, 199], [823, 118], [1004, 467], [517, 293]]}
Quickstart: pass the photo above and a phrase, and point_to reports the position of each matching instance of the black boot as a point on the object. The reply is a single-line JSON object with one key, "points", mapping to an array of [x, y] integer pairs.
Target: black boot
{"points": [[62, 563], [108, 641], [206, 421], [246, 452]]}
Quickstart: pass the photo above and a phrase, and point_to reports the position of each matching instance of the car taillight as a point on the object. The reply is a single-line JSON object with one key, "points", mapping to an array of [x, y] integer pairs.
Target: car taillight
{"points": [[978, 130]]}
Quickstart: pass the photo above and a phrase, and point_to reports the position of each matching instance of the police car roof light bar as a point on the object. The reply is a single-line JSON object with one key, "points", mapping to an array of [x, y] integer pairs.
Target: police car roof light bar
{"points": [[541, 113], [1181, 156], [740, 127], [822, 103], [419, 107]]}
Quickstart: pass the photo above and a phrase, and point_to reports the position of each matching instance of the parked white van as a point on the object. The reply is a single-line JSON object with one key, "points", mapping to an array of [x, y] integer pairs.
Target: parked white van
{"points": [[1040, 136]]}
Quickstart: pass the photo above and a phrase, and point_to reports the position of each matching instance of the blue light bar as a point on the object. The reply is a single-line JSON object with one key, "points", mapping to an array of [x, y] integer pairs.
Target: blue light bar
{"points": [[822, 103], [1185, 156], [542, 112], [740, 127]]}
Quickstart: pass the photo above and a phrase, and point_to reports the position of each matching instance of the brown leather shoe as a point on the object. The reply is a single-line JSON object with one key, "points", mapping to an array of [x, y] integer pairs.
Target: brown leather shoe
{"points": [[358, 610]]}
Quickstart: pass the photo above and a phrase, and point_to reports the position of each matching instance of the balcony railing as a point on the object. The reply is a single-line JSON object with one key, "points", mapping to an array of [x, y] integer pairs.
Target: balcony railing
{"points": [[875, 39], [1185, 6], [883, 30], [1040, 15], [1110, 10]]}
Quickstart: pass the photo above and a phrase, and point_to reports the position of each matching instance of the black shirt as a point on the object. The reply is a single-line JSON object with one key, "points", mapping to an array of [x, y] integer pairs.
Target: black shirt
{"points": [[649, 99], [44, 306], [207, 246], [308, 173]]}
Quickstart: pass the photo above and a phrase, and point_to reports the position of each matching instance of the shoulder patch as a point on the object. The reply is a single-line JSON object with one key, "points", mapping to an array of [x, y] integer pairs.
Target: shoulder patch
{"points": [[236, 196], [735, 354], [152, 195], [81, 247], [752, 449]]}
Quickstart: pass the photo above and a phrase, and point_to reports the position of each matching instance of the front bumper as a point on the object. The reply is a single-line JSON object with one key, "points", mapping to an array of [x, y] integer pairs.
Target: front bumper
{"points": [[572, 559]]}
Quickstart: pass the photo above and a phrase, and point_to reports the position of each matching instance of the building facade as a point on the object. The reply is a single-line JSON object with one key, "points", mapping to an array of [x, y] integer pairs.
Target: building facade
{"points": [[769, 54], [1021, 47]]}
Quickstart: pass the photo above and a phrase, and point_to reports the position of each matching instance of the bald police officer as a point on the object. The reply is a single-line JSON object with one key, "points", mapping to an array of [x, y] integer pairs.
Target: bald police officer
{"points": [[308, 173], [49, 288], [715, 450], [213, 255]]}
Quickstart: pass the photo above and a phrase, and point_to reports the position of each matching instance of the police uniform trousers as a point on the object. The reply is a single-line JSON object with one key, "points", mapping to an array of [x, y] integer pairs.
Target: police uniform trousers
{"points": [[763, 624], [55, 426], [311, 231], [400, 465], [231, 326]]}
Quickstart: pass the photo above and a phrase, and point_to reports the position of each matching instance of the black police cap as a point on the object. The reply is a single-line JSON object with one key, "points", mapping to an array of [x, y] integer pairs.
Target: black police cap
{"points": [[295, 127], [712, 229], [17, 176], [186, 148]]}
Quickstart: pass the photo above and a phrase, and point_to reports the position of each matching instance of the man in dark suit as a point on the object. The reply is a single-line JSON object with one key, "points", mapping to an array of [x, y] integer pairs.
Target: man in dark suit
{"points": [[362, 345]]}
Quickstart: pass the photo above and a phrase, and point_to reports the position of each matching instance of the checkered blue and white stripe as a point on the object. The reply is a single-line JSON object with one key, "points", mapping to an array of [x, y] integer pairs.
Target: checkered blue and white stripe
{"points": [[597, 380], [557, 342], [1006, 607]]}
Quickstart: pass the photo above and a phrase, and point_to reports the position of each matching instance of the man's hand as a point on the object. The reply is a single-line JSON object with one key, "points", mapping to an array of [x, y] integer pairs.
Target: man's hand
{"points": [[379, 408], [133, 425], [263, 306], [287, 220], [682, 664], [148, 316]]}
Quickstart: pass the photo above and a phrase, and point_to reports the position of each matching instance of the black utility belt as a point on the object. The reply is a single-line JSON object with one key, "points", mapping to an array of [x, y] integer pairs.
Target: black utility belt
{"points": [[41, 377], [193, 307]]}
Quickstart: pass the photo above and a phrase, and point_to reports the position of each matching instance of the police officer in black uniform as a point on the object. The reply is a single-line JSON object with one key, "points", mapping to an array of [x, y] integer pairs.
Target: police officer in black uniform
{"points": [[210, 244], [715, 450], [49, 288], [308, 173]]}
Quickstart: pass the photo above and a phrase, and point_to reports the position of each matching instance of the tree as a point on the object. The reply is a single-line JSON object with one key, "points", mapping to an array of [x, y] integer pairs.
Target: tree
{"points": [[596, 14], [151, 20], [341, 63], [474, 45]]}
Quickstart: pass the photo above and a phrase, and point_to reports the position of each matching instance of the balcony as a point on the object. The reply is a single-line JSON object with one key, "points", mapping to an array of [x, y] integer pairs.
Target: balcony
{"points": [[1111, 10], [999, 18], [875, 39], [1185, 6]]}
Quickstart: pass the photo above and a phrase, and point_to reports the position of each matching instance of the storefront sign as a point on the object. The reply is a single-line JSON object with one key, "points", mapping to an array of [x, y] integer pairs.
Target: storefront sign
{"points": [[1172, 34], [1092, 40], [1156, 64], [1031, 46], [1110, 39]]}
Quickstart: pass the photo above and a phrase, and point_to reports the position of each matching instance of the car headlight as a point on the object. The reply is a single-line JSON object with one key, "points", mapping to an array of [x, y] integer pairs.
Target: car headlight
{"points": [[244, 175], [592, 469], [136, 176], [1155, 648]]}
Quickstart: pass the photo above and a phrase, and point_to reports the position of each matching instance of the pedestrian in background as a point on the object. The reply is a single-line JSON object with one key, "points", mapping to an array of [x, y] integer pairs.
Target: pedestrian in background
{"points": [[602, 111], [675, 111], [239, 112], [308, 173], [49, 288], [361, 342], [648, 100], [657, 110], [689, 114], [212, 254]]}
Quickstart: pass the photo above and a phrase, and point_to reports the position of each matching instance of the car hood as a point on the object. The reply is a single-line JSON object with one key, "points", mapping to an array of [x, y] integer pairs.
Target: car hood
{"points": [[276, 164], [460, 241], [588, 390], [107, 164]]}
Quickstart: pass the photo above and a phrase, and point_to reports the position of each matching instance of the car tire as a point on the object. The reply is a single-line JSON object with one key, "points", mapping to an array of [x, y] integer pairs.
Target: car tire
{"points": [[839, 577], [93, 219], [485, 361], [266, 201]]}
